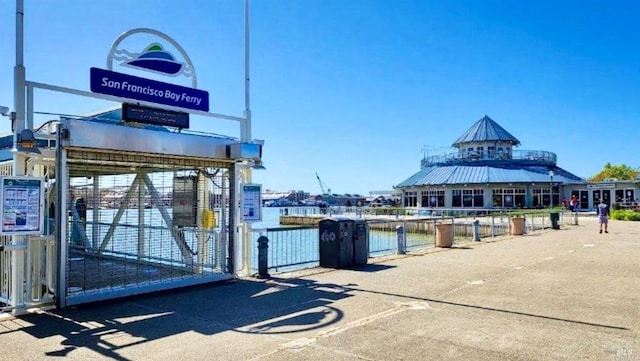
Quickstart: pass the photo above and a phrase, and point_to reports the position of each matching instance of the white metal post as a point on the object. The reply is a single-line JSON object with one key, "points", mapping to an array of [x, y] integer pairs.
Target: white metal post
{"points": [[29, 106], [61, 220], [238, 228], [139, 184], [222, 245], [246, 132], [95, 214], [551, 189], [19, 73], [17, 257], [245, 136], [201, 234]]}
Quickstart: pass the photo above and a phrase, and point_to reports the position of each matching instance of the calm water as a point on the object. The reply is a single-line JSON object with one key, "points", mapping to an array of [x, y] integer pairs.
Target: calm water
{"points": [[270, 218], [158, 240], [271, 215], [286, 248]]}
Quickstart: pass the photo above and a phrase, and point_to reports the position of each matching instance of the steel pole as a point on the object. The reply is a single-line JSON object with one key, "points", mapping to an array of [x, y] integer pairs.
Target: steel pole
{"points": [[19, 160], [19, 77], [246, 131], [245, 136], [551, 192]]}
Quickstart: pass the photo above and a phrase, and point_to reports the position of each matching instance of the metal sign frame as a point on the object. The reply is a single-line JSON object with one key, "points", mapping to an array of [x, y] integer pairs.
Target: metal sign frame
{"points": [[20, 198]]}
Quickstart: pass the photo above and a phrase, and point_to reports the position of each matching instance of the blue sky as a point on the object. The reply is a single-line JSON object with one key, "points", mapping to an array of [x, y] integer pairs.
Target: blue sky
{"points": [[354, 90]]}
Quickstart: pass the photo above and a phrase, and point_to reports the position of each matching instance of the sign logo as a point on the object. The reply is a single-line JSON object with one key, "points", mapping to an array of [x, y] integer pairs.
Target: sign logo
{"points": [[327, 236], [156, 59]]}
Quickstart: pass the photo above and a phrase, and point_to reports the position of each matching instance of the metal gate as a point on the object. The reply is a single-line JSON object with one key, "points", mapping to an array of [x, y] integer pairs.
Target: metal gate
{"points": [[136, 222]]}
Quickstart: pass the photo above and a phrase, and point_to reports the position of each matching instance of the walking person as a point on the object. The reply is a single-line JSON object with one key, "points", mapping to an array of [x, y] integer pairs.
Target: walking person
{"points": [[603, 216]]}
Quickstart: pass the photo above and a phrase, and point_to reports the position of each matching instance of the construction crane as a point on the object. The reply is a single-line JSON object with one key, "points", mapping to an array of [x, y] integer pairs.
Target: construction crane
{"points": [[326, 192]]}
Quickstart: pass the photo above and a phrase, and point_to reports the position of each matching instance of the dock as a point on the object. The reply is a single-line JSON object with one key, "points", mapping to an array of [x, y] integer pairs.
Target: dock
{"points": [[569, 294]]}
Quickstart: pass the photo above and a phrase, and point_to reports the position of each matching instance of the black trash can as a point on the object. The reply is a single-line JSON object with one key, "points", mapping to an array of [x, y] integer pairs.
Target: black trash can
{"points": [[555, 220], [360, 242], [335, 237]]}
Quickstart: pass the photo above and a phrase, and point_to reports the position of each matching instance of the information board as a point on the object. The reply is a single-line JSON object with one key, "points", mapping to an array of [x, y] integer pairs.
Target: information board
{"points": [[251, 202], [22, 205]]}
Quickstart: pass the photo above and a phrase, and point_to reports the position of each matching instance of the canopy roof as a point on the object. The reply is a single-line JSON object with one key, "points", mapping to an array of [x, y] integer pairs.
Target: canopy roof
{"points": [[485, 174], [486, 129]]}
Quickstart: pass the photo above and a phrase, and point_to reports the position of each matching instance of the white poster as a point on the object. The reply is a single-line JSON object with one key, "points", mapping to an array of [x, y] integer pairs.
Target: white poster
{"points": [[251, 202], [22, 206]]}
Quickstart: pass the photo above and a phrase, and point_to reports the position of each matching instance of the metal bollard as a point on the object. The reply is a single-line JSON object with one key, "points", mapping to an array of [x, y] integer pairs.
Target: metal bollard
{"points": [[476, 230], [263, 247], [401, 239], [574, 215]]}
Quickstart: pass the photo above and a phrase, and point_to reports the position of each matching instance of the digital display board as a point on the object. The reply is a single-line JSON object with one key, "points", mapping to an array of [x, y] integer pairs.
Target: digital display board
{"points": [[154, 116]]}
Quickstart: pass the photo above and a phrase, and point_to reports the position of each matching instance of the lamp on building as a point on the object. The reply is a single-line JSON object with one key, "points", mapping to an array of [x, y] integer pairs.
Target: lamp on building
{"points": [[551, 174], [257, 164], [27, 142], [6, 112]]}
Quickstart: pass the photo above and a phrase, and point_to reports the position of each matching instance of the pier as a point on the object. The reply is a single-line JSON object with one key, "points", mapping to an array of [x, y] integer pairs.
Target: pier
{"points": [[549, 295]]}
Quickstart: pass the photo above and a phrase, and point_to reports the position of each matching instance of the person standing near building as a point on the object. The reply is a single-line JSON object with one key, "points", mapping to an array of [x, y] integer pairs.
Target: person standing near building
{"points": [[81, 208], [603, 216], [574, 203]]}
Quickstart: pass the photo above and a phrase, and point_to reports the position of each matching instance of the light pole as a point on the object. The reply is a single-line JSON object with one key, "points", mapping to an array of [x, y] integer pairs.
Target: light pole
{"points": [[551, 189]]}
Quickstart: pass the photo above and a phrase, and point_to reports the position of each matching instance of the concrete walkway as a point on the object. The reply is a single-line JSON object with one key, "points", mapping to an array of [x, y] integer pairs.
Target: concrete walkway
{"points": [[570, 294]]}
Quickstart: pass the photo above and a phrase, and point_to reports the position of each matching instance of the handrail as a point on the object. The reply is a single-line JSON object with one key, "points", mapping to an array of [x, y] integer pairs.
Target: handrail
{"points": [[463, 156]]}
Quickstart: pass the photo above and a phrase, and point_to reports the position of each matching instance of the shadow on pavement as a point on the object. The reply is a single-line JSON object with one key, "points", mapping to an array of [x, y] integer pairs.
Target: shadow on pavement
{"points": [[272, 306]]}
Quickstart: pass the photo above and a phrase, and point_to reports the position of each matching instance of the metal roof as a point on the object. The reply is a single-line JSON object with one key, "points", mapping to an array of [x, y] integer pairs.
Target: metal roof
{"points": [[483, 174], [486, 129]]}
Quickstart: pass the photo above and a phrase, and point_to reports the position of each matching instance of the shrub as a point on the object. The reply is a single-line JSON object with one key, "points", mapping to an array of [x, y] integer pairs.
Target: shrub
{"points": [[625, 215], [632, 216]]}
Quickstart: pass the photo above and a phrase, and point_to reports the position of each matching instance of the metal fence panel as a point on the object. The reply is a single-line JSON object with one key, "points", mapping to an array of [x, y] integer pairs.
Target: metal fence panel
{"points": [[292, 248], [122, 238]]}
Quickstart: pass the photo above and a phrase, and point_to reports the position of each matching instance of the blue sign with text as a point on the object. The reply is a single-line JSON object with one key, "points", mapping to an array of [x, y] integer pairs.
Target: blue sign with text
{"points": [[133, 87]]}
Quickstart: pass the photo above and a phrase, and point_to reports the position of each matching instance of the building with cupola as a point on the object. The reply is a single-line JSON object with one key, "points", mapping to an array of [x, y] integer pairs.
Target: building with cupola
{"points": [[487, 170]]}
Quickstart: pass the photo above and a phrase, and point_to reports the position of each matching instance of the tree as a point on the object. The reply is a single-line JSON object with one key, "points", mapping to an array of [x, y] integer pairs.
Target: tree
{"points": [[620, 172]]}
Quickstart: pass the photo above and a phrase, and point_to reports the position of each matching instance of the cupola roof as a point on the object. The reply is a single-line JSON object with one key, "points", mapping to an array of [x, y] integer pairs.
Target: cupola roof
{"points": [[486, 129]]}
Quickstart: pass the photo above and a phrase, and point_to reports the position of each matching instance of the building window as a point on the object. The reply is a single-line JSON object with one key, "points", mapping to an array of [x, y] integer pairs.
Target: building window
{"points": [[509, 197], [624, 195], [470, 152], [491, 151], [480, 152], [410, 199], [467, 198], [541, 197], [432, 198], [456, 200], [478, 198]]}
